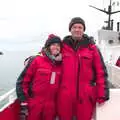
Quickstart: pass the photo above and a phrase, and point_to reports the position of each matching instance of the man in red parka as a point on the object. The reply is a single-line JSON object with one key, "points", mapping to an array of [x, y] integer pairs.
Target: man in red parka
{"points": [[118, 62], [84, 77], [38, 84]]}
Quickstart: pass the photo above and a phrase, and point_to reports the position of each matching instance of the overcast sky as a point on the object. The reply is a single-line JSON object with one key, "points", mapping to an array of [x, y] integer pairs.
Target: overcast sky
{"points": [[30, 20]]}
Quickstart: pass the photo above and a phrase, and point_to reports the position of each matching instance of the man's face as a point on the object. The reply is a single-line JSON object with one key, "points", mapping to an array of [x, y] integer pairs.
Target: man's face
{"points": [[77, 30]]}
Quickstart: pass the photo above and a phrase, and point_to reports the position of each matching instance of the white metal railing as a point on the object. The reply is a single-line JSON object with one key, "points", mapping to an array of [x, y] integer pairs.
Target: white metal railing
{"points": [[114, 75], [111, 109], [108, 111], [7, 99]]}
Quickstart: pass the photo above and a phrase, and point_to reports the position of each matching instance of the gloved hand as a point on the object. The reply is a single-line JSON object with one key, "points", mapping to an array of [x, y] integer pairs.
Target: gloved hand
{"points": [[23, 112], [100, 100]]}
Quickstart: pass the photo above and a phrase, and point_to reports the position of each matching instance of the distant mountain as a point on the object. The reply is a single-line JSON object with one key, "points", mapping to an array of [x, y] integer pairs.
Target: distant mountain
{"points": [[1, 53]]}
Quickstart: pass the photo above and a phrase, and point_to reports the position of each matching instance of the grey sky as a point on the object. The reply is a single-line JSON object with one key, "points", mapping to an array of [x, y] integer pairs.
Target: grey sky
{"points": [[30, 20]]}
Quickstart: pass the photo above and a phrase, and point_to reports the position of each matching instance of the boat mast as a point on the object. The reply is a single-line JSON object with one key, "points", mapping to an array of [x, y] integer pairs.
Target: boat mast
{"points": [[108, 12]]}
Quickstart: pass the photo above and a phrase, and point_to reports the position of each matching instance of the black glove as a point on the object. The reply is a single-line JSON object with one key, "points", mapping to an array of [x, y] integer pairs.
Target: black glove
{"points": [[23, 112]]}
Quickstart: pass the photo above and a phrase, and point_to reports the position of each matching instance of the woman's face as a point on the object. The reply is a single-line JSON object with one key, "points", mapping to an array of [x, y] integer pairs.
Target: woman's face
{"points": [[55, 49]]}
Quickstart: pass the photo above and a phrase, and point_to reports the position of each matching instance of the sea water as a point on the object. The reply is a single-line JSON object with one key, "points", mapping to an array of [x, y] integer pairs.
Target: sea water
{"points": [[11, 65]]}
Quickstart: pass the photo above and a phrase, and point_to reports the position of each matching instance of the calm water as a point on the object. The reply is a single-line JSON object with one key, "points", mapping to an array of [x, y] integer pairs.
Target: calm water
{"points": [[11, 64]]}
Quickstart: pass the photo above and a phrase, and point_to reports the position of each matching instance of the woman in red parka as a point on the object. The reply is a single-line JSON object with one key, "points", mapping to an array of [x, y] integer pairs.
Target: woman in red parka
{"points": [[84, 78], [38, 84]]}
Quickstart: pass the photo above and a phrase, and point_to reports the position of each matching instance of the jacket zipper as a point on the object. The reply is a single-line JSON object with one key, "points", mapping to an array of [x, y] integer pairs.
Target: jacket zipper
{"points": [[78, 77]]}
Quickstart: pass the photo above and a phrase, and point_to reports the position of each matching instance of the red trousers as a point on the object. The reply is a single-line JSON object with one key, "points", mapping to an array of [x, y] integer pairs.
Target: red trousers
{"points": [[44, 110], [68, 107]]}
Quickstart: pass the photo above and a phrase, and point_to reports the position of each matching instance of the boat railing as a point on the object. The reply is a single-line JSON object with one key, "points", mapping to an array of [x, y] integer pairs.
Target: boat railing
{"points": [[109, 110], [7, 99], [113, 75]]}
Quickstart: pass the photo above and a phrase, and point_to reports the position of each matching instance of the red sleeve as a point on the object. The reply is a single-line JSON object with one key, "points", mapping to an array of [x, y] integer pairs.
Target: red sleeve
{"points": [[101, 75], [118, 63], [24, 81]]}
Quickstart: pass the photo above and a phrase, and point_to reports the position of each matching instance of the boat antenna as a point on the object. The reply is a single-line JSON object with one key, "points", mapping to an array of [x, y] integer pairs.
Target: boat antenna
{"points": [[108, 12]]}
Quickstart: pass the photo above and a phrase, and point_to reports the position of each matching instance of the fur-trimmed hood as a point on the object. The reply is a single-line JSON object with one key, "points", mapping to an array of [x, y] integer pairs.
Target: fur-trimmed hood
{"points": [[85, 41]]}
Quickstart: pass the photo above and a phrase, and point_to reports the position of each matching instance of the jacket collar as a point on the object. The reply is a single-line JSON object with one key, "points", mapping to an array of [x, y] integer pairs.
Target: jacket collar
{"points": [[84, 42]]}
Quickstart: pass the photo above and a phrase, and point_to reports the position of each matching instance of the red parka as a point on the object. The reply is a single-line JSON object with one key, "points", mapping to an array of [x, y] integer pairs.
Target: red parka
{"points": [[41, 77], [84, 77], [38, 85], [118, 62]]}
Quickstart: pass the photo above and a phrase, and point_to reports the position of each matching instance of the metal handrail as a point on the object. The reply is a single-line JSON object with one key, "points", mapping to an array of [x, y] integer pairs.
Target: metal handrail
{"points": [[113, 74], [112, 65], [9, 96]]}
